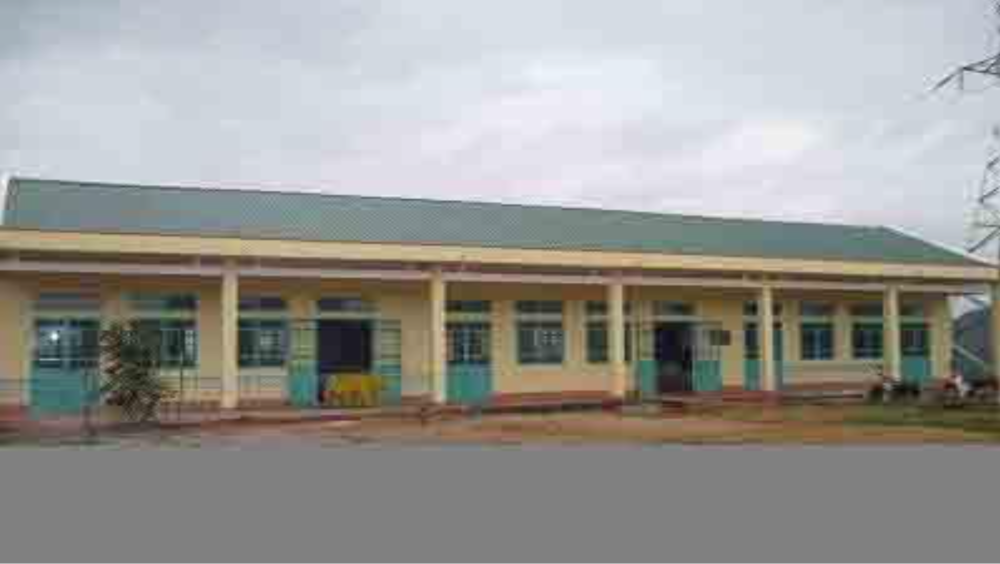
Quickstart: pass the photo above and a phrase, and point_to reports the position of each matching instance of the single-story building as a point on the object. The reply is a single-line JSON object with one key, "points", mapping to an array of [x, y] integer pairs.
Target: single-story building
{"points": [[265, 296]]}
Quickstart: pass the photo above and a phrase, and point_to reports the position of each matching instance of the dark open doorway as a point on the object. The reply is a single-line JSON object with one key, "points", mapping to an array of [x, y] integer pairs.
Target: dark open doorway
{"points": [[674, 356], [342, 346]]}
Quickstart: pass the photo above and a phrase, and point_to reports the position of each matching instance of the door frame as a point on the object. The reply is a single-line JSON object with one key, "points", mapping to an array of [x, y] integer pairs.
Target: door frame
{"points": [[687, 366], [470, 383]]}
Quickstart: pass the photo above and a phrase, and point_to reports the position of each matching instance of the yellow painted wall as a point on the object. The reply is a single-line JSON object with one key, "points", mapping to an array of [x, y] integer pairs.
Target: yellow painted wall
{"points": [[409, 302], [13, 345], [844, 367], [511, 377]]}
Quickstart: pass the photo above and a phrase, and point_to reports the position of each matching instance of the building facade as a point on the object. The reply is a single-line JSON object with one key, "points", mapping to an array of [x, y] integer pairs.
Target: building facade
{"points": [[265, 297]]}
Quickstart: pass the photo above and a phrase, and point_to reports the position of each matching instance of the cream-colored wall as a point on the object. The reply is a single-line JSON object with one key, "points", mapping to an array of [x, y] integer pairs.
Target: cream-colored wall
{"points": [[844, 367], [13, 343], [509, 376], [722, 306], [409, 302], [405, 301]]}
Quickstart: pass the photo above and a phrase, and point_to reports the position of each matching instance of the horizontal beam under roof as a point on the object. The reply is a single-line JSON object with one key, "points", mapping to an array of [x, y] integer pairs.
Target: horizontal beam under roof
{"points": [[708, 282]]}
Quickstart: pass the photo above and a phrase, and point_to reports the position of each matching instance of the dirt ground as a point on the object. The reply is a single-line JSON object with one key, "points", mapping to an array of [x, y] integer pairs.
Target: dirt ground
{"points": [[817, 425]]}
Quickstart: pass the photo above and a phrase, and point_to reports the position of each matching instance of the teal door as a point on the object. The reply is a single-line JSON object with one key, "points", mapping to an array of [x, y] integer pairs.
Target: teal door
{"points": [[751, 363], [470, 375], [707, 362], [646, 369], [64, 378], [915, 340], [388, 360], [303, 378]]}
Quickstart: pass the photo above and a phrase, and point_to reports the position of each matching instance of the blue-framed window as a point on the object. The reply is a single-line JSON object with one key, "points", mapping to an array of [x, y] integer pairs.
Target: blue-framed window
{"points": [[468, 343], [867, 330], [177, 341], [541, 337], [817, 340], [263, 343], [867, 340], [170, 319], [263, 333], [541, 342], [915, 338], [598, 335], [67, 343]]}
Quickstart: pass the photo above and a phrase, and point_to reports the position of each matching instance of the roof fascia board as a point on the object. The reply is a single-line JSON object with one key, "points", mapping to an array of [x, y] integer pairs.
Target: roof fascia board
{"points": [[28, 240], [16, 265], [99, 268]]}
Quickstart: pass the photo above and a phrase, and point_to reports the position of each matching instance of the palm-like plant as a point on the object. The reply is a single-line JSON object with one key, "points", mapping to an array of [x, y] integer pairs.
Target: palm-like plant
{"points": [[130, 357]]}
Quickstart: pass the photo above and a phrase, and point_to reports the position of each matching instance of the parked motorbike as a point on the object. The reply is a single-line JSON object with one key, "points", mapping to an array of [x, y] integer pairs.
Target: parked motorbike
{"points": [[887, 389], [959, 389]]}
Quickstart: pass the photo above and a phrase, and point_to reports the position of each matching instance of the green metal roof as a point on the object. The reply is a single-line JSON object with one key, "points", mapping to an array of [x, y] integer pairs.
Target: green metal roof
{"points": [[51, 205]]}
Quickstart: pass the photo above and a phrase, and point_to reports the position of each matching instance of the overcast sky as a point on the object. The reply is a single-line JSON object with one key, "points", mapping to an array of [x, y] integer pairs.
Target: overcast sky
{"points": [[800, 109]]}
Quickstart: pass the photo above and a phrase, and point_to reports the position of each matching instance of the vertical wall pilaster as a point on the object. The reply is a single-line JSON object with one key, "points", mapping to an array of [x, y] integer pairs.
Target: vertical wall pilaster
{"points": [[942, 337], [892, 346], [438, 340], [765, 327], [229, 316], [616, 338]]}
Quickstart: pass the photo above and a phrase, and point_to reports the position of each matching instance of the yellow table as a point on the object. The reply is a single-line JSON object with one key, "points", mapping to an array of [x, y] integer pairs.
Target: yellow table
{"points": [[354, 390]]}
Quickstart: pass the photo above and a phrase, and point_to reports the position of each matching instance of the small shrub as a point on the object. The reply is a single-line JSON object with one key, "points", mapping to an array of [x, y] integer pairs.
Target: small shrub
{"points": [[131, 369]]}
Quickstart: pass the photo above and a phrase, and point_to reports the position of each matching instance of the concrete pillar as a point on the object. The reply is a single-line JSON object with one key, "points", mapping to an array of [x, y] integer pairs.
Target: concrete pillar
{"points": [[942, 337], [892, 346], [995, 328], [765, 331], [439, 341], [616, 338], [229, 315]]}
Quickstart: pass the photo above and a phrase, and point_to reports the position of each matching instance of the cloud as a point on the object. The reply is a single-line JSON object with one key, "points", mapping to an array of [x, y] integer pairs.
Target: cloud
{"points": [[784, 111]]}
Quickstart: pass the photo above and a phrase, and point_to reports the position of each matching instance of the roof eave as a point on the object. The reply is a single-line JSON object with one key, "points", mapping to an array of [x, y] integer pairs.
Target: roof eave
{"points": [[16, 239]]}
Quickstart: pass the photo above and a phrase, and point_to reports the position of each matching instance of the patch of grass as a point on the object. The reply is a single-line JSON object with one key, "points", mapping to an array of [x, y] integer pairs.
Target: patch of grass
{"points": [[983, 420]]}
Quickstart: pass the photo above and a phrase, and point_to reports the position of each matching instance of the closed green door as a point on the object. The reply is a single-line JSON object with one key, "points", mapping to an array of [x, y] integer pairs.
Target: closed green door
{"points": [[915, 340], [707, 368], [751, 363], [646, 369], [303, 377], [65, 376], [388, 360], [470, 375]]}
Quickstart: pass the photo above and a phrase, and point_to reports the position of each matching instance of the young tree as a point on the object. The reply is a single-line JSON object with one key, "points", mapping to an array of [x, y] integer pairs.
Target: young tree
{"points": [[130, 356]]}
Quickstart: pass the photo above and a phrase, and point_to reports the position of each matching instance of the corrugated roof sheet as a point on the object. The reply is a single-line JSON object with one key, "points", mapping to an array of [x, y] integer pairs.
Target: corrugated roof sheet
{"points": [[114, 208]]}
